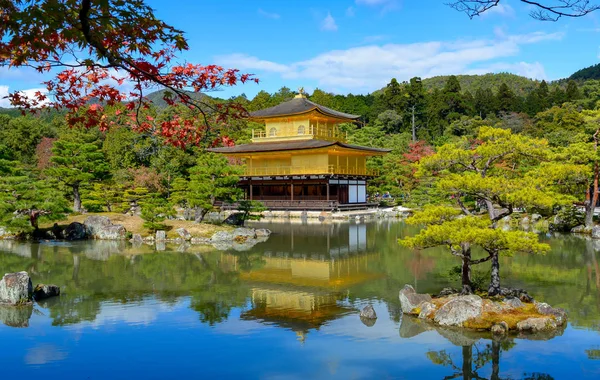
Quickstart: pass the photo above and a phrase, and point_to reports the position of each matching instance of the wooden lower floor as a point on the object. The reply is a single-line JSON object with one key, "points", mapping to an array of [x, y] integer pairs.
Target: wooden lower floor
{"points": [[307, 193]]}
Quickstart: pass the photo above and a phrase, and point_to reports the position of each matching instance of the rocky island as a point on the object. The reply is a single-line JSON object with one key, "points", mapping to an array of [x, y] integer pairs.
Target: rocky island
{"points": [[513, 311]]}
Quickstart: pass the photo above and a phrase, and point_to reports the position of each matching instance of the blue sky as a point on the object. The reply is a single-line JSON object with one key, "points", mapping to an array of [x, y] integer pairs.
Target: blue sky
{"points": [[356, 46]]}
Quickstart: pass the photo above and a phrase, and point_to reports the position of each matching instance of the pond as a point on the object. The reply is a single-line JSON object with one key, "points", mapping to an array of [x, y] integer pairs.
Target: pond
{"points": [[288, 308]]}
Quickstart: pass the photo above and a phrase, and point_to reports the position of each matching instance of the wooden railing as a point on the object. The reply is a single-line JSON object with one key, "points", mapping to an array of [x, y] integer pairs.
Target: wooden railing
{"points": [[323, 133], [309, 170]]}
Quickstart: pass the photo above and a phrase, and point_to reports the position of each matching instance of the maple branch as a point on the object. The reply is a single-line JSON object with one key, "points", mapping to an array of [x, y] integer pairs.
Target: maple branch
{"points": [[542, 11]]}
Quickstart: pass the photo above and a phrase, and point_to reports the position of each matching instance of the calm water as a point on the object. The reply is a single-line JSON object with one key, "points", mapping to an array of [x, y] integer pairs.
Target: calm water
{"points": [[288, 309]]}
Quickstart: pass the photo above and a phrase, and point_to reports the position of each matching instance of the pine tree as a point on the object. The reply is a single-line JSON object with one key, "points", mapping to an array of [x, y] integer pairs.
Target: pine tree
{"points": [[505, 99], [572, 92], [77, 160]]}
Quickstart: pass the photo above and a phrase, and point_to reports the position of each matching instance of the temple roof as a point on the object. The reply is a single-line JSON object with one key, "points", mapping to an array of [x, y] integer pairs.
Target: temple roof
{"points": [[299, 105], [292, 145]]}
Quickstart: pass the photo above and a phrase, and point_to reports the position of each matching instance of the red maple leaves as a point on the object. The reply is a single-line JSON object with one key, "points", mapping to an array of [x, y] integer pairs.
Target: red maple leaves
{"points": [[110, 54]]}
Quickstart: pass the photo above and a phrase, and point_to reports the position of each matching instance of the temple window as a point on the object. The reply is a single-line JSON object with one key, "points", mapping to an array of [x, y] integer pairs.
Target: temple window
{"points": [[301, 130], [272, 132]]}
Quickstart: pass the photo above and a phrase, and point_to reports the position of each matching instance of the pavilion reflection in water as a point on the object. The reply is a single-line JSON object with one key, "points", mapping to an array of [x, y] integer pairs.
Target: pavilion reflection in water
{"points": [[302, 282]]}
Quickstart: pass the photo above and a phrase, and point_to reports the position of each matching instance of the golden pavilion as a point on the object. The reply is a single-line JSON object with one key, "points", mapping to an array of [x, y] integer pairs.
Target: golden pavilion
{"points": [[301, 159]]}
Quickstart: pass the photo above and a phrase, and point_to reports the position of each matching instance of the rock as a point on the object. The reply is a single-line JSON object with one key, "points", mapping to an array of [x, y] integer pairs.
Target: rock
{"points": [[513, 302], [183, 233], [458, 310], [447, 291], [137, 239], [249, 233], [368, 312], [75, 231], [535, 217], [161, 236], [596, 232], [410, 299], [199, 240], [537, 324], [426, 309], [525, 220], [578, 230], [518, 293], [3, 232], [101, 228], [16, 316], [15, 289], [161, 245], [494, 307], [500, 328], [566, 219], [43, 291], [235, 219], [559, 314], [369, 322], [262, 232], [221, 236]]}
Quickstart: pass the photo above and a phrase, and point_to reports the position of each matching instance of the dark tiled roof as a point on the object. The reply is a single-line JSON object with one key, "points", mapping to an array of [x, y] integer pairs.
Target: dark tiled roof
{"points": [[299, 106], [291, 145]]}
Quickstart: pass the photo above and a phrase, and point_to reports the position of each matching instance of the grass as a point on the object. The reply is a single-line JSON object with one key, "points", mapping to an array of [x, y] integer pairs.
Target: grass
{"points": [[135, 224]]}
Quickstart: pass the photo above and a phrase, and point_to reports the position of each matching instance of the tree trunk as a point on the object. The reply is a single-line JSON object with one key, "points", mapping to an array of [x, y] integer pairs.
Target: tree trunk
{"points": [[467, 364], [490, 207], [495, 360], [591, 200], [76, 198], [494, 288], [467, 286], [414, 127]]}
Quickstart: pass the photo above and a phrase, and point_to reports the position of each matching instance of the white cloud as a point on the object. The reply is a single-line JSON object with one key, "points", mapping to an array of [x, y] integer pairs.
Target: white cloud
{"points": [[350, 12], [328, 24], [30, 93], [366, 68], [274, 16]]}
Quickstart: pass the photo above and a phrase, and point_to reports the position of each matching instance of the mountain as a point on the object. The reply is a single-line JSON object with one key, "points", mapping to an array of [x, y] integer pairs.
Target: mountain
{"points": [[157, 98], [518, 84], [592, 72]]}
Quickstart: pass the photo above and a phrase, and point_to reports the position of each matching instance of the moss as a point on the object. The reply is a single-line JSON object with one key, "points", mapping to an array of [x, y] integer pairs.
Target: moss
{"points": [[511, 317]]}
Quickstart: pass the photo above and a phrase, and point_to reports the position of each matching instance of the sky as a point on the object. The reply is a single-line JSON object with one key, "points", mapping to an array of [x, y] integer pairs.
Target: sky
{"points": [[357, 46]]}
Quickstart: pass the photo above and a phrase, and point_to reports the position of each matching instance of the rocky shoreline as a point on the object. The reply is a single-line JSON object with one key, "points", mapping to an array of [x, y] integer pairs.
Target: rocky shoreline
{"points": [[97, 227], [516, 311]]}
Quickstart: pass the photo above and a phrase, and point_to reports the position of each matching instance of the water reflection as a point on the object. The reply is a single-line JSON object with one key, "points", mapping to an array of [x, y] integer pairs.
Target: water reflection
{"points": [[307, 283]]}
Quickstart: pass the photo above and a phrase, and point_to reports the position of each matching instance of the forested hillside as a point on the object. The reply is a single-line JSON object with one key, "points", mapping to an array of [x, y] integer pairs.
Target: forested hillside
{"points": [[48, 169], [471, 83], [592, 72]]}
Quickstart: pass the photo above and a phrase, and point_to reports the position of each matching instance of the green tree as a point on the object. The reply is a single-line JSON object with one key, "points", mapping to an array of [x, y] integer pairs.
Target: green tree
{"points": [[155, 209], [77, 160], [211, 179], [250, 210], [498, 172], [21, 135], [24, 200]]}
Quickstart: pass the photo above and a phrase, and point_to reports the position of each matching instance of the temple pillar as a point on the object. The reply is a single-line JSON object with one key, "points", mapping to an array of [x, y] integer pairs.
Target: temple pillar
{"points": [[327, 190], [292, 194], [250, 181]]}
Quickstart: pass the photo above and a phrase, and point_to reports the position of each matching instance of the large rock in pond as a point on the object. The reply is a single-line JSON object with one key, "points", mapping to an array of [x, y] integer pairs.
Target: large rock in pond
{"points": [[235, 219], [75, 231], [183, 233], [458, 310], [43, 291], [537, 324], [410, 299], [596, 232], [15, 289], [101, 228], [161, 236], [559, 314], [368, 312]]}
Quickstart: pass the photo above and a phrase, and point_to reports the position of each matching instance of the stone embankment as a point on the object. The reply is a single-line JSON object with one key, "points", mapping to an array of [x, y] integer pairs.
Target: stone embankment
{"points": [[239, 239], [516, 312]]}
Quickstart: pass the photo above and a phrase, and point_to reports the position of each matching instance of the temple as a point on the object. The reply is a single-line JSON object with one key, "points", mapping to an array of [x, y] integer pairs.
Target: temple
{"points": [[301, 160]]}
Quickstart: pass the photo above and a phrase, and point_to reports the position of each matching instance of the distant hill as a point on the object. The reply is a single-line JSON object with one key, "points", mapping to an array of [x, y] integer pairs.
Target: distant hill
{"points": [[592, 72], [518, 84], [10, 112]]}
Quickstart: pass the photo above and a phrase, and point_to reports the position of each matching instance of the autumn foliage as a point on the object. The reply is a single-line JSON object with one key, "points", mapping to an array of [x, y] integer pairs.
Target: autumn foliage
{"points": [[104, 55]]}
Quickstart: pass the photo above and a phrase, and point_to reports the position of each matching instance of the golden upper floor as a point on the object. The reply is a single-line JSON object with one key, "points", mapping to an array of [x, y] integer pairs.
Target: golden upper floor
{"points": [[300, 119]]}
